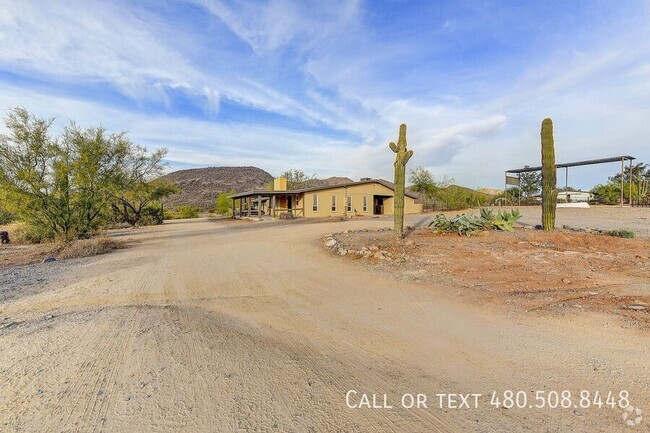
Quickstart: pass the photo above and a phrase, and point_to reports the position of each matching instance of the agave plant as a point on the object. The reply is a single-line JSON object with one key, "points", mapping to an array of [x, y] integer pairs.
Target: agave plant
{"points": [[468, 224], [506, 220]]}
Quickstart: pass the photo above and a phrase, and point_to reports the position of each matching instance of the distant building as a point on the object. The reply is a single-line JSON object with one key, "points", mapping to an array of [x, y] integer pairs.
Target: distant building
{"points": [[571, 197], [366, 197]]}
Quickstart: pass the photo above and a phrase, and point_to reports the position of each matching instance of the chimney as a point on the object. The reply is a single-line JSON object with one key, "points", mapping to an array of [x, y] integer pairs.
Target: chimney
{"points": [[280, 184], [363, 179]]}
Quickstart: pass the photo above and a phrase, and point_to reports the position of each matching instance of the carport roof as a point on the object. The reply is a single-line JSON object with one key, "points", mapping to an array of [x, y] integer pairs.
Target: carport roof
{"points": [[575, 164]]}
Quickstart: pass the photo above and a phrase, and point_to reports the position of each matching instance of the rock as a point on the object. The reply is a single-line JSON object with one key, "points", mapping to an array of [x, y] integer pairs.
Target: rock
{"points": [[343, 252], [379, 255], [8, 325], [330, 243], [373, 248], [566, 281], [49, 259], [409, 242], [637, 307]]}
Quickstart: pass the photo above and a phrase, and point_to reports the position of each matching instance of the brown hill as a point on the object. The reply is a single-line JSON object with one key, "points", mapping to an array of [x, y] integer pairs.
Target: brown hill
{"points": [[331, 181], [201, 186], [490, 191]]}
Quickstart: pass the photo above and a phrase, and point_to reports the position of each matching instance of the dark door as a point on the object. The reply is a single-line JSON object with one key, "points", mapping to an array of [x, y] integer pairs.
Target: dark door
{"points": [[290, 202], [378, 205]]}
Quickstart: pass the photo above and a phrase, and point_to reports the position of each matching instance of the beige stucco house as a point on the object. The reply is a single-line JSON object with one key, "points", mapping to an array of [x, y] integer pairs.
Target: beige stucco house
{"points": [[366, 197]]}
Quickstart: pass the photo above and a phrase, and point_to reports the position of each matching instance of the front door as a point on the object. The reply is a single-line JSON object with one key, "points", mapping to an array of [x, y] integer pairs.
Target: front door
{"points": [[378, 205], [290, 202]]}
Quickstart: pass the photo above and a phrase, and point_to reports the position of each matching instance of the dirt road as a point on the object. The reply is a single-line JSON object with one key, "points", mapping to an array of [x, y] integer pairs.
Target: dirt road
{"points": [[209, 326]]}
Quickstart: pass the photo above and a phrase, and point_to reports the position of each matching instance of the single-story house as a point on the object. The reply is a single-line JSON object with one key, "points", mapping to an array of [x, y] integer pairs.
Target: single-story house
{"points": [[366, 197]]}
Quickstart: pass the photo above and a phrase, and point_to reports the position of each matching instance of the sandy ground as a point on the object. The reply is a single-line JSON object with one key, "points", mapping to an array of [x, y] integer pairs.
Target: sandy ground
{"points": [[216, 326]]}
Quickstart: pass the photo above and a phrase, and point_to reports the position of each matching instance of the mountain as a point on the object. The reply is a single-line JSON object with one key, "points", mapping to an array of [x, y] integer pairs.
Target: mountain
{"points": [[331, 181], [201, 186], [490, 191]]}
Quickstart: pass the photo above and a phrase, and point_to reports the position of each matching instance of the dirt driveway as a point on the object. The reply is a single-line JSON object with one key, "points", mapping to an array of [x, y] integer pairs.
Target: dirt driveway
{"points": [[213, 326]]}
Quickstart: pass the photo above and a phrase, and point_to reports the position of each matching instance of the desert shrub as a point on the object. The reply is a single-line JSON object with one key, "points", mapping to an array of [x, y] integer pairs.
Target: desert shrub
{"points": [[90, 247], [621, 233], [224, 204], [185, 212], [151, 216], [5, 216], [25, 233]]}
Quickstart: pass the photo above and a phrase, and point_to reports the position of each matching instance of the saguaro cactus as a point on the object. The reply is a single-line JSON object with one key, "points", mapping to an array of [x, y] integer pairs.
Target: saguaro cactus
{"points": [[401, 158], [549, 176]]}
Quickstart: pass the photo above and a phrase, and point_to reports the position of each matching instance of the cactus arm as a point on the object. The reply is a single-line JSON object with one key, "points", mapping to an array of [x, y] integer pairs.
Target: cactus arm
{"points": [[393, 147]]}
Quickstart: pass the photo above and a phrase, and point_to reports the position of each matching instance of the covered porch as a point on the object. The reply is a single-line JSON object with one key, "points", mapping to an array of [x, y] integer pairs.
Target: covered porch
{"points": [[272, 203]]}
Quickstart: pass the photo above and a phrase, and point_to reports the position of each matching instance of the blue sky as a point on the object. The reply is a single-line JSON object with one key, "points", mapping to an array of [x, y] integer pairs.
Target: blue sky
{"points": [[324, 85]]}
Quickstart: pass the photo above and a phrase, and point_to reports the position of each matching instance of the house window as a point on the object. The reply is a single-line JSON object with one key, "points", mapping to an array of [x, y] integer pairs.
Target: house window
{"points": [[349, 203], [333, 203], [365, 203], [315, 203]]}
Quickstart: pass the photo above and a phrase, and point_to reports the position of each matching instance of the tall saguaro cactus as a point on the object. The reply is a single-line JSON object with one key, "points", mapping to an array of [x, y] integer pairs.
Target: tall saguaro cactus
{"points": [[549, 176], [401, 158]]}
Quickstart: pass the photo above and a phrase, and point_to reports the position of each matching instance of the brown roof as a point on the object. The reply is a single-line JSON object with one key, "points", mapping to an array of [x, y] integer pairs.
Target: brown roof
{"points": [[383, 182]]}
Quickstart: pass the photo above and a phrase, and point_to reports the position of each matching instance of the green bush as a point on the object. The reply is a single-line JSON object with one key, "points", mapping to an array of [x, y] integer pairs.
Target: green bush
{"points": [[185, 212], [224, 204], [621, 233], [151, 216]]}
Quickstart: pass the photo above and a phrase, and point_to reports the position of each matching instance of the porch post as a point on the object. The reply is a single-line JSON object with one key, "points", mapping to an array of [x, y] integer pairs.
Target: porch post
{"points": [[273, 206], [259, 207], [622, 174], [630, 183], [233, 208]]}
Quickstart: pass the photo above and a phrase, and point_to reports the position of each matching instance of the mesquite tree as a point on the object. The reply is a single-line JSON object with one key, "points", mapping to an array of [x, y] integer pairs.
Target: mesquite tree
{"points": [[401, 158], [549, 175]]}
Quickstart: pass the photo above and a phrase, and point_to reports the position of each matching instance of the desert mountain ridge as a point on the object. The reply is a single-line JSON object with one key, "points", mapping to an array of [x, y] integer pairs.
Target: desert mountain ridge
{"points": [[201, 186]]}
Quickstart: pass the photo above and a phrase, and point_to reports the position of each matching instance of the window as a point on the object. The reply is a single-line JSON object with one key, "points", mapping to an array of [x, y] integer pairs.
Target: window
{"points": [[333, 203], [349, 203], [365, 203], [315, 203]]}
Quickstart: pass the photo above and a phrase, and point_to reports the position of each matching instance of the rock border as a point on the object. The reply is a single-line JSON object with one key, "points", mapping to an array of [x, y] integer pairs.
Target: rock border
{"points": [[337, 246]]}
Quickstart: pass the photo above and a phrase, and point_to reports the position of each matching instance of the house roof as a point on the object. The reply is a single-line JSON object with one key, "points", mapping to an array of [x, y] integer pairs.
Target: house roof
{"points": [[383, 182]]}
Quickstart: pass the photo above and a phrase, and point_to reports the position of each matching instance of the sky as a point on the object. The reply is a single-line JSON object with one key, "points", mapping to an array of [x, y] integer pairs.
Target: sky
{"points": [[323, 86]]}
